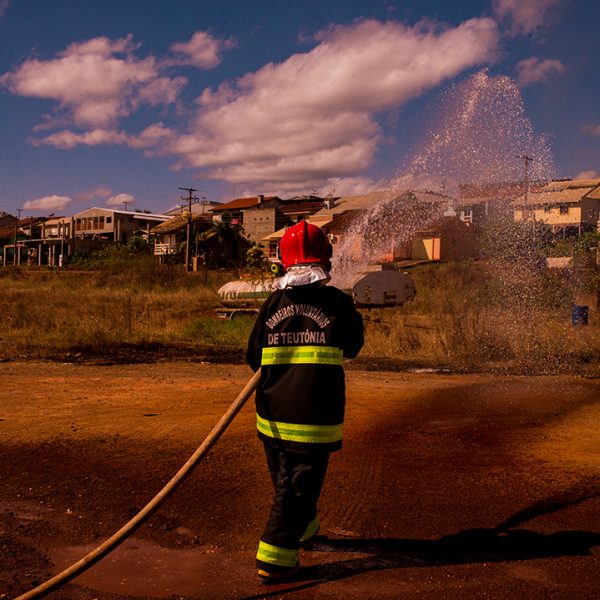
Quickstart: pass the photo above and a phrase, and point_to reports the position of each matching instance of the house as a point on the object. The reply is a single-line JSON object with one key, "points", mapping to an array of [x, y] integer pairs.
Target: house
{"points": [[388, 216], [299, 208], [8, 236], [6, 219], [260, 215], [21, 231], [114, 225], [170, 235], [385, 221], [233, 212], [342, 209], [213, 244], [198, 207], [569, 206], [478, 202], [49, 241], [449, 238]]}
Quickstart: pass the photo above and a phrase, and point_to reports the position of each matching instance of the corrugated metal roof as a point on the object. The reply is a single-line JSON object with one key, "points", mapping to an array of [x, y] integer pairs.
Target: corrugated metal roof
{"points": [[320, 220], [570, 184], [426, 197], [564, 195], [9, 232], [275, 236], [180, 221], [557, 197], [240, 203], [347, 203], [594, 194], [368, 201], [472, 192], [341, 223], [134, 214]]}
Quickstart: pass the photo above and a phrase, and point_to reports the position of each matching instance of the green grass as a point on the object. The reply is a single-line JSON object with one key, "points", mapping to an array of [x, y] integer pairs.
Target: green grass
{"points": [[232, 333], [475, 315]]}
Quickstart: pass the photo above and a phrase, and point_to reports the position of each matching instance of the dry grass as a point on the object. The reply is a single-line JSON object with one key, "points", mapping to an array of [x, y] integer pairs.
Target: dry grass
{"points": [[56, 313], [471, 316]]}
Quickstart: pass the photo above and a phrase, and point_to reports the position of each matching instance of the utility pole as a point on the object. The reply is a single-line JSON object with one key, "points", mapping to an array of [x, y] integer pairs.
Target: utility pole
{"points": [[15, 246], [527, 160], [61, 227], [189, 225]]}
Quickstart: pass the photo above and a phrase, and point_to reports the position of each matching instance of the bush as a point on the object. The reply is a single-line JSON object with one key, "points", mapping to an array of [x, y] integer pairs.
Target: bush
{"points": [[473, 314]]}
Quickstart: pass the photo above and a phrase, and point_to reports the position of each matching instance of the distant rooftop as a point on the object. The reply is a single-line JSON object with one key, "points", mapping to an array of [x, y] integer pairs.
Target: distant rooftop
{"points": [[564, 191], [241, 203]]}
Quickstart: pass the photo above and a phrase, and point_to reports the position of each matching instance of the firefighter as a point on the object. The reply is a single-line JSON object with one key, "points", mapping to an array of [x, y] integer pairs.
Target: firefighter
{"points": [[303, 331]]}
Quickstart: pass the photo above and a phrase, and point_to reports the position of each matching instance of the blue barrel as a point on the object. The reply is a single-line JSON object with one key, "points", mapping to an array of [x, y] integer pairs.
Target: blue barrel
{"points": [[579, 315]]}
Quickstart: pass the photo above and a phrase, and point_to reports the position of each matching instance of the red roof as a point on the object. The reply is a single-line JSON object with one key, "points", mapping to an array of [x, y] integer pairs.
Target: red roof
{"points": [[241, 203], [9, 232]]}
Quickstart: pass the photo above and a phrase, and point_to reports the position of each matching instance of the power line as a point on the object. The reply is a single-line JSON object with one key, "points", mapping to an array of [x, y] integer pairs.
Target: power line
{"points": [[189, 224], [15, 246], [527, 160]]}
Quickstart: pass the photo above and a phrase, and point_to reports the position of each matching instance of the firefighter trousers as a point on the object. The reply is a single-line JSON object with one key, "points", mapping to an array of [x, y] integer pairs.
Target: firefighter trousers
{"points": [[297, 478]]}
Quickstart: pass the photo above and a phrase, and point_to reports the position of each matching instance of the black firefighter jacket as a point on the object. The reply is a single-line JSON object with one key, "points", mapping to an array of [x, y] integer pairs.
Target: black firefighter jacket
{"points": [[300, 338]]}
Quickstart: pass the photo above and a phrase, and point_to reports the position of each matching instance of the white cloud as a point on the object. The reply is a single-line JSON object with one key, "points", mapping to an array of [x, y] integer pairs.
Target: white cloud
{"points": [[4, 5], [591, 129], [524, 16], [338, 186], [67, 139], [120, 199], [150, 139], [311, 117], [202, 51], [101, 191], [588, 175], [153, 140], [48, 203], [95, 82], [536, 70], [295, 124], [161, 90], [352, 186]]}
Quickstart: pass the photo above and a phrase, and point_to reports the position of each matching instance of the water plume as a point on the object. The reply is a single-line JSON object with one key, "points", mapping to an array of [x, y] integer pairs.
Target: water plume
{"points": [[479, 134]]}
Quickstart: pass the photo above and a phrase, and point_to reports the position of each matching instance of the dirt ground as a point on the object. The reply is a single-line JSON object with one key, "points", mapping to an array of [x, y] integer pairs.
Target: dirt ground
{"points": [[448, 486]]}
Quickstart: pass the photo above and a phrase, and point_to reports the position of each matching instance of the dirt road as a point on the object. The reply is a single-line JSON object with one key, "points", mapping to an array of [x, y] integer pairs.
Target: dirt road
{"points": [[448, 486]]}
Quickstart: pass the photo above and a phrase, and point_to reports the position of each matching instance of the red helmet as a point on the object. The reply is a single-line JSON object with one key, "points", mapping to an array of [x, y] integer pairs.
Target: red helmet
{"points": [[304, 244]]}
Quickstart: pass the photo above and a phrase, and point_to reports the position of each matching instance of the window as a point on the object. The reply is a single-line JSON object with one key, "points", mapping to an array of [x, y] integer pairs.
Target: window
{"points": [[564, 209], [108, 220], [547, 208]]}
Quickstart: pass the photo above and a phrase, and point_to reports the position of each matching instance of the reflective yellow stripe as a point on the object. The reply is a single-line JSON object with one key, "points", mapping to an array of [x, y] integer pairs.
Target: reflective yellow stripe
{"points": [[301, 355], [311, 529], [274, 555], [293, 432]]}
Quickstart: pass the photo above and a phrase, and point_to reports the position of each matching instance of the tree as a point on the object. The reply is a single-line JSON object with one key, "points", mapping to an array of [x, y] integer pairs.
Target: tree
{"points": [[258, 266], [225, 240]]}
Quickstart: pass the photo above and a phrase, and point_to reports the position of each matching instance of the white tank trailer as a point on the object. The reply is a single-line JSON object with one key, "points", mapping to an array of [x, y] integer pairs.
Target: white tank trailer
{"points": [[382, 289], [375, 289]]}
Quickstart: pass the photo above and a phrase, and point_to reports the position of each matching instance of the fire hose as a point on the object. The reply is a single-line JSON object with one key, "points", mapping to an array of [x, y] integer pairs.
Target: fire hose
{"points": [[119, 536]]}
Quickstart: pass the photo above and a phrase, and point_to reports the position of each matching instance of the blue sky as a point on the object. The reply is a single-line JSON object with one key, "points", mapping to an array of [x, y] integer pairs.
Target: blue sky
{"points": [[113, 101]]}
